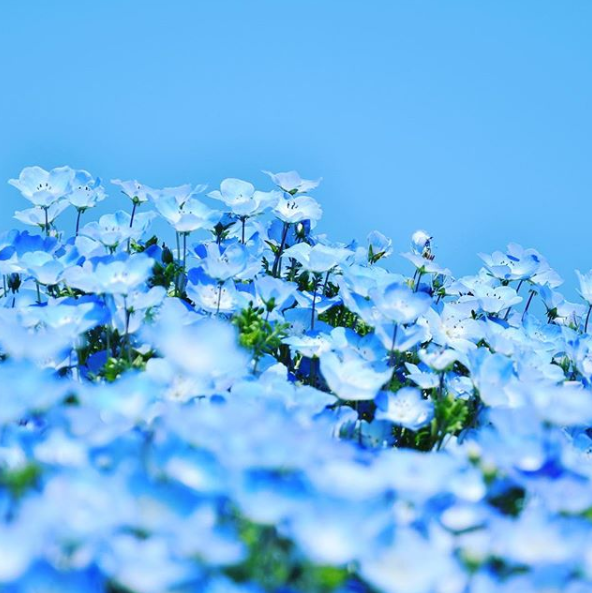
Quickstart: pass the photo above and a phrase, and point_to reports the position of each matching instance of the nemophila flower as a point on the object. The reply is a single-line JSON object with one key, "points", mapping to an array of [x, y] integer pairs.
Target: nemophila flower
{"points": [[74, 317], [222, 263], [398, 303], [45, 268], [438, 359], [145, 564], [86, 191], [42, 217], [426, 265], [292, 210], [352, 378], [334, 535], [129, 311], [321, 303], [422, 377], [379, 246], [110, 230], [179, 194], [585, 281], [113, 276], [368, 346], [242, 198], [534, 539], [403, 567], [360, 279], [188, 216], [32, 390], [516, 264], [206, 350], [26, 341], [313, 344], [400, 338], [421, 243], [44, 188], [406, 408], [127, 399], [134, 190], [216, 297], [563, 405], [292, 183], [493, 375], [274, 293], [492, 300], [318, 258], [455, 327]]}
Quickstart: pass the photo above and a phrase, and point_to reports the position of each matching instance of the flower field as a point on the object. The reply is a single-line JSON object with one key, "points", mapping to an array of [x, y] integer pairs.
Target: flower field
{"points": [[246, 406]]}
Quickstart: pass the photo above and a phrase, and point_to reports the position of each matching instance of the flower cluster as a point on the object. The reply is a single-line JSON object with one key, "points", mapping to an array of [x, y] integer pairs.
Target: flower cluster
{"points": [[254, 408]]}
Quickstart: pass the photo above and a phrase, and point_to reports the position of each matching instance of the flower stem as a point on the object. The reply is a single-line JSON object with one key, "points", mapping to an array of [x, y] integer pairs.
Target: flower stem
{"points": [[278, 255], [313, 308], [391, 361], [219, 298], [532, 293], [135, 206], [78, 221], [587, 319], [46, 222]]}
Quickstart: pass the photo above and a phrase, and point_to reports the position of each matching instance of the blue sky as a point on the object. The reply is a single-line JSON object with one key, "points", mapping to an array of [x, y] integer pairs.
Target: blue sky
{"points": [[470, 119]]}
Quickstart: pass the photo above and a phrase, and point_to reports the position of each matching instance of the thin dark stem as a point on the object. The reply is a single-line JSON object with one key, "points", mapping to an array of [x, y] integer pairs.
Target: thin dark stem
{"points": [[418, 281], [243, 221], [313, 309], [278, 255], [126, 336], [587, 319], [532, 293], [510, 308], [78, 221], [135, 206], [391, 361], [326, 282], [219, 298], [46, 222]]}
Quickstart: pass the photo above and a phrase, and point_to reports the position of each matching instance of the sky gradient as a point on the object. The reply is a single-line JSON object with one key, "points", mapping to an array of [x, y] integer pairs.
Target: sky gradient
{"points": [[469, 119]]}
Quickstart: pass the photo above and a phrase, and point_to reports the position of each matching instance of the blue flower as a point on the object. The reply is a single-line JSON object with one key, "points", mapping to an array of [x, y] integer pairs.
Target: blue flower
{"points": [[42, 217], [44, 188], [398, 303], [585, 286], [292, 210], [86, 191], [224, 263], [515, 264], [242, 198], [134, 190], [292, 183], [318, 258], [406, 408], [352, 378], [187, 216]]}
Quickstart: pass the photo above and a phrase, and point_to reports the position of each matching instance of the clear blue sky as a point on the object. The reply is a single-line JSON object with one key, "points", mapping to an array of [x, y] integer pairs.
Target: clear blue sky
{"points": [[470, 119]]}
